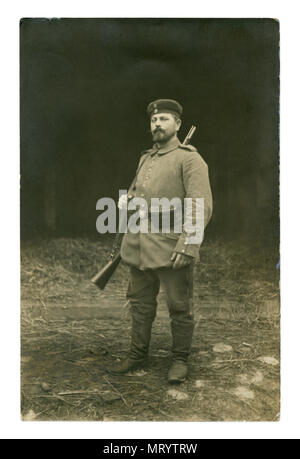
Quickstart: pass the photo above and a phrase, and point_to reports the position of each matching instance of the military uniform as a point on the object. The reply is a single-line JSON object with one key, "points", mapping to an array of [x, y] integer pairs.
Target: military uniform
{"points": [[175, 170]]}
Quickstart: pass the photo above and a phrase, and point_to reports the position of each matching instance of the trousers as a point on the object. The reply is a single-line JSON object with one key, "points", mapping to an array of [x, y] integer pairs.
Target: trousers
{"points": [[142, 294]]}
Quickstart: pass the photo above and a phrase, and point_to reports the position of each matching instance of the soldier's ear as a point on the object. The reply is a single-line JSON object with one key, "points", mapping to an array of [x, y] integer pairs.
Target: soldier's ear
{"points": [[178, 124]]}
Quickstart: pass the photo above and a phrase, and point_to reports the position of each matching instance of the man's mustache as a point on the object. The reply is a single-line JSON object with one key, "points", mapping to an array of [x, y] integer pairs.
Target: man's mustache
{"points": [[156, 130]]}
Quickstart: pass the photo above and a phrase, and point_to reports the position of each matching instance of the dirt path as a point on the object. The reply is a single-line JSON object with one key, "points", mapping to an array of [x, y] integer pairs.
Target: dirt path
{"points": [[66, 349], [71, 332]]}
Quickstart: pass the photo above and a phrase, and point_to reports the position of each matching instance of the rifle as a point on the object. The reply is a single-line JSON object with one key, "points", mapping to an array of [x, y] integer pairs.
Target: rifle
{"points": [[103, 276]]}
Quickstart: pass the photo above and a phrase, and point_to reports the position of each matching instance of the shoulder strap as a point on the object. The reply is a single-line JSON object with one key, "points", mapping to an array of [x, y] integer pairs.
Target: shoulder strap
{"points": [[143, 158], [188, 147]]}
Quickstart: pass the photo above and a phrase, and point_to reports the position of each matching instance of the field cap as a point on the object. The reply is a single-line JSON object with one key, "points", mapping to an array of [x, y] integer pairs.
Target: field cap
{"points": [[164, 106]]}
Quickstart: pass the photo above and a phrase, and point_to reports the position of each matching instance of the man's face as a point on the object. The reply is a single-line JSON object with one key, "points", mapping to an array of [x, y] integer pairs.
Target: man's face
{"points": [[163, 127]]}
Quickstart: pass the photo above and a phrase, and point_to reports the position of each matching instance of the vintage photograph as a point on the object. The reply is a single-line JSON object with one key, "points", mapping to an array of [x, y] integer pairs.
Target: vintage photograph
{"points": [[150, 262]]}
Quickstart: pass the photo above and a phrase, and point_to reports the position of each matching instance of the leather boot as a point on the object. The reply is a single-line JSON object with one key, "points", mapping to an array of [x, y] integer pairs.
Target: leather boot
{"points": [[182, 335], [127, 365], [140, 337], [138, 354], [177, 372]]}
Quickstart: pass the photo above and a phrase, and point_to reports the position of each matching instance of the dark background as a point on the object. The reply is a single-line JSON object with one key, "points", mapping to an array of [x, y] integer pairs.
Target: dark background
{"points": [[85, 85]]}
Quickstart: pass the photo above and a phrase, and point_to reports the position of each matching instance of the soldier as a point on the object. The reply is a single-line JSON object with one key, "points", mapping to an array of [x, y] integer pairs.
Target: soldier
{"points": [[169, 169]]}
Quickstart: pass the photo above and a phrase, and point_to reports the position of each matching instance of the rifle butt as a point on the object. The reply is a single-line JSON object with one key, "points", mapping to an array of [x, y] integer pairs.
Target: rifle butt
{"points": [[103, 276]]}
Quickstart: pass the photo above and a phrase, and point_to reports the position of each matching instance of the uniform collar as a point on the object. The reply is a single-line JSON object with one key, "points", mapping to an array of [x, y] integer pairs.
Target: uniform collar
{"points": [[170, 146]]}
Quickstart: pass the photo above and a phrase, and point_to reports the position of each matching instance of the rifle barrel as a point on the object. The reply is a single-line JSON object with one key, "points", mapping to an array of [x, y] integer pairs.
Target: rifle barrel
{"points": [[189, 135]]}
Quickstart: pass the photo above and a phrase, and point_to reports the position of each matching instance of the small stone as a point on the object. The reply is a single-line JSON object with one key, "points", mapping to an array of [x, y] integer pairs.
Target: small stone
{"points": [[269, 360], [221, 347], [199, 383], [30, 416], [248, 379], [177, 395], [45, 386], [244, 393], [257, 378], [243, 379]]}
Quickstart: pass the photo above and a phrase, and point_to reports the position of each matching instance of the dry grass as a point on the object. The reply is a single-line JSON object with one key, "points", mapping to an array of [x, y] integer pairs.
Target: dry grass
{"points": [[66, 349]]}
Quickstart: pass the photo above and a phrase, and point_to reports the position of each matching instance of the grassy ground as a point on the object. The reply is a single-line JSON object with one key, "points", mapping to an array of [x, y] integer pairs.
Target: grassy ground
{"points": [[71, 332]]}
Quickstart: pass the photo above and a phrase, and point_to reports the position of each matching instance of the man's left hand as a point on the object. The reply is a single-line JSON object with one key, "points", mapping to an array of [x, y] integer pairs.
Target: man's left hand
{"points": [[180, 260]]}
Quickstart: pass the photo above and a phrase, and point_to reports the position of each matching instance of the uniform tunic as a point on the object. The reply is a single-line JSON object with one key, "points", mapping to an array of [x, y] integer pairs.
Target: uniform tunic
{"points": [[176, 170]]}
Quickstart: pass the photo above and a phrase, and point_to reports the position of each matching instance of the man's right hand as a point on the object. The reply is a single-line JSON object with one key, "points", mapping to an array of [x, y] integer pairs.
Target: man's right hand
{"points": [[123, 200]]}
